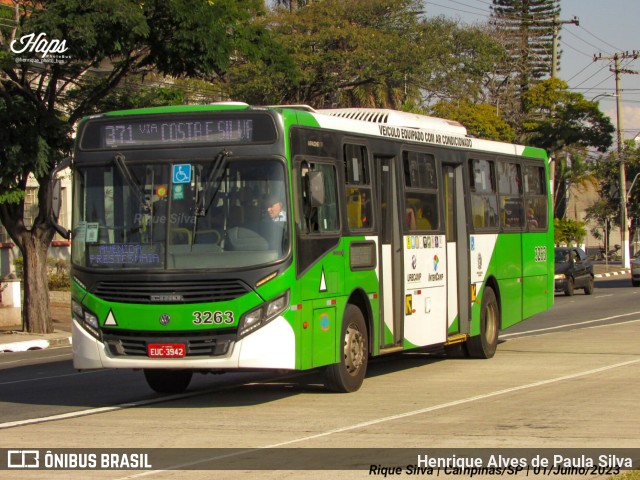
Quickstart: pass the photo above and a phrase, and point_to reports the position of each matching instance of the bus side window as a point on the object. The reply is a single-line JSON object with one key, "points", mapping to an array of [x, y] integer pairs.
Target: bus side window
{"points": [[357, 187], [510, 189], [420, 191], [535, 196], [484, 199]]}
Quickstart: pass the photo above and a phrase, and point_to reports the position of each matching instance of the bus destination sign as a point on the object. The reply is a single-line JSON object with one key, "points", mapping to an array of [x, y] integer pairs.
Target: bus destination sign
{"points": [[171, 130], [177, 132]]}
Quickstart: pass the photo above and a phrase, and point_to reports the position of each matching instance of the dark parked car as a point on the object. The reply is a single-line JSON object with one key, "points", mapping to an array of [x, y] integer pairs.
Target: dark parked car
{"points": [[573, 270]]}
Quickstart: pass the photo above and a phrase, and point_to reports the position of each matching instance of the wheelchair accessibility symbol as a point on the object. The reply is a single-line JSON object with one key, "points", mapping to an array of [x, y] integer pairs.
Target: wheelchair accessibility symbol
{"points": [[181, 173]]}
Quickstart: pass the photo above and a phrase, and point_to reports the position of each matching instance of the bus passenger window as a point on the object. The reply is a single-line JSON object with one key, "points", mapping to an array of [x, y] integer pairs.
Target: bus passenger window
{"points": [[535, 197], [420, 191], [484, 201], [357, 187]]}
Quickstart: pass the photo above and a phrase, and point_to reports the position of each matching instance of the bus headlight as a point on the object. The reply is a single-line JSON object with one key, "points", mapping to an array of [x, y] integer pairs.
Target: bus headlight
{"points": [[262, 315], [86, 318]]}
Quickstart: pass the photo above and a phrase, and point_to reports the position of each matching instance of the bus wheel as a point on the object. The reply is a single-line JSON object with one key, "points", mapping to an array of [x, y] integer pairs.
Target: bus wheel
{"points": [[485, 344], [168, 381], [348, 374]]}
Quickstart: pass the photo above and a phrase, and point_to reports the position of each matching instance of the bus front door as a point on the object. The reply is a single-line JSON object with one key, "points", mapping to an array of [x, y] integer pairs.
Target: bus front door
{"points": [[457, 249], [390, 328]]}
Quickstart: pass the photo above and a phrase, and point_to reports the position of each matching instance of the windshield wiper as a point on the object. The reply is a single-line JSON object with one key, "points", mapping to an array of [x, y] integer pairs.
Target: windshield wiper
{"points": [[135, 185], [211, 184]]}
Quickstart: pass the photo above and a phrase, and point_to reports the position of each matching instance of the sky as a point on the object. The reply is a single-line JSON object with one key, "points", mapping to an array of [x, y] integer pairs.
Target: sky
{"points": [[605, 27]]}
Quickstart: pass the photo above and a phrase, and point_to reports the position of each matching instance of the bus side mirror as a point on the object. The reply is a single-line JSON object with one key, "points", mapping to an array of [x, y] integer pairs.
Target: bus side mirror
{"points": [[316, 188], [55, 194]]}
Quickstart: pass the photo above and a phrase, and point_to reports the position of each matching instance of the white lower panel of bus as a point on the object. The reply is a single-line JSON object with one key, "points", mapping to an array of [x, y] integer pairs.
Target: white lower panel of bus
{"points": [[270, 347], [425, 289]]}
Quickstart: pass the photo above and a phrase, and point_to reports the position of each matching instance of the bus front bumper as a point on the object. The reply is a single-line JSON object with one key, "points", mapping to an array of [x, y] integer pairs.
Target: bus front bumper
{"points": [[270, 347]]}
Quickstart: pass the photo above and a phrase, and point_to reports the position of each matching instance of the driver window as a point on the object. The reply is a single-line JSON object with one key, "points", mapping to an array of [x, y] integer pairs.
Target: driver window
{"points": [[318, 217]]}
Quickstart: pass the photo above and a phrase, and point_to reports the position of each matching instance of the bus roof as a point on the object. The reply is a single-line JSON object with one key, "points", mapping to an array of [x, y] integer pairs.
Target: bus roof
{"points": [[387, 123]]}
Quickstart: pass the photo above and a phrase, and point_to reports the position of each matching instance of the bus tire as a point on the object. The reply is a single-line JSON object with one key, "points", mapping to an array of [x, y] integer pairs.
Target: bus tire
{"points": [[484, 345], [168, 381], [348, 374]]}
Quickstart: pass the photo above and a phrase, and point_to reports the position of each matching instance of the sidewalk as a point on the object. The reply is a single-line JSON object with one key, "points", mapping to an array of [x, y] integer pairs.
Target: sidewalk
{"points": [[600, 270], [12, 339]]}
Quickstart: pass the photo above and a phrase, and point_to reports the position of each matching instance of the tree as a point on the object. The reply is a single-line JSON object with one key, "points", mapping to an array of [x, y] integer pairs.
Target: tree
{"points": [[291, 5], [481, 120], [527, 29], [358, 53], [632, 164], [568, 231], [564, 123], [460, 62], [605, 212], [94, 47], [557, 117], [369, 53], [571, 171]]}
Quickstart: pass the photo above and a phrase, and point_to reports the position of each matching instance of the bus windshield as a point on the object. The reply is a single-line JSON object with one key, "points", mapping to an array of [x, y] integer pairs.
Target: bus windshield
{"points": [[213, 214]]}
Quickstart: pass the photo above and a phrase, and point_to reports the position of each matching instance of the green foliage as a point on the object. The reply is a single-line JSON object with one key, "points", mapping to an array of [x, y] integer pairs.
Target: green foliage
{"points": [[106, 42], [557, 117], [58, 273], [572, 172], [481, 120], [345, 53], [459, 62], [567, 231]]}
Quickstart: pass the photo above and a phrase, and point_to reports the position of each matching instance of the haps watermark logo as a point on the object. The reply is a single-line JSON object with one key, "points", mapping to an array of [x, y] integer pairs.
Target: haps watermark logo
{"points": [[31, 43]]}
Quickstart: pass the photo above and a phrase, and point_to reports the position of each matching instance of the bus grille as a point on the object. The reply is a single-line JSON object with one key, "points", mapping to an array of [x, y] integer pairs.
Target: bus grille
{"points": [[181, 291], [196, 345]]}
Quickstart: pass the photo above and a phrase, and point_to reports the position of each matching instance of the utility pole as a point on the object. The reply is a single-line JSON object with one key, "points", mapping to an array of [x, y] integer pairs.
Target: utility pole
{"points": [[624, 228], [556, 33]]}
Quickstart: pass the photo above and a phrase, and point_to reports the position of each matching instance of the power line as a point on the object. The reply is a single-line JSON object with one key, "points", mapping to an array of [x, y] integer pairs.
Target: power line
{"points": [[583, 40], [566, 44], [590, 64], [454, 9], [592, 76], [599, 39], [484, 12]]}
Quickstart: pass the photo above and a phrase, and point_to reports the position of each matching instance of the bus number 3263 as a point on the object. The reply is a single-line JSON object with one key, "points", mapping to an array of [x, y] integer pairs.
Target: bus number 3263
{"points": [[208, 318], [541, 254]]}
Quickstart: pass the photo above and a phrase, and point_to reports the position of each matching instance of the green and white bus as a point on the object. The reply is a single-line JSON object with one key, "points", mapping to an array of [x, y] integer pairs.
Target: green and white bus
{"points": [[393, 231]]}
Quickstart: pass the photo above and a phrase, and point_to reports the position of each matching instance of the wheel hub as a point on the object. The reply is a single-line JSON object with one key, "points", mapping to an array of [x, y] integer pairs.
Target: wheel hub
{"points": [[354, 349]]}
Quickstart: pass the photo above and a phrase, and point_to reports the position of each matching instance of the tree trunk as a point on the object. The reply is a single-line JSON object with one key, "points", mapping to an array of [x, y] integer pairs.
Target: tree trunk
{"points": [[34, 246], [35, 307]]}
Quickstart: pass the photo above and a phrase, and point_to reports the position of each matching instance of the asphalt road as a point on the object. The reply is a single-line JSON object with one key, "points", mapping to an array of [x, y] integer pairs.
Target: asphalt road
{"points": [[567, 378]]}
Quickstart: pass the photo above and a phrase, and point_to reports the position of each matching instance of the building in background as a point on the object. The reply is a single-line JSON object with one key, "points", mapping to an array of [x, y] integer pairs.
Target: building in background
{"points": [[60, 247]]}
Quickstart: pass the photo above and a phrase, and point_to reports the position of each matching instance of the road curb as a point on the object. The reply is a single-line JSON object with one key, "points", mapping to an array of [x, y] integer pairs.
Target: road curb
{"points": [[611, 274]]}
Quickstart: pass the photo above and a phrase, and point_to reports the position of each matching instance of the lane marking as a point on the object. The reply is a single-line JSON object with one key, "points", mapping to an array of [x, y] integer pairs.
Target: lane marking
{"points": [[138, 403], [93, 411], [400, 416], [588, 322]]}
